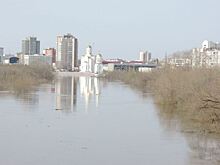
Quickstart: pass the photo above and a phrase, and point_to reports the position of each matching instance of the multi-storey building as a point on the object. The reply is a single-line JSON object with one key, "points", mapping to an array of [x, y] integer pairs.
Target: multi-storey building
{"points": [[67, 53], [210, 45], [207, 56], [1, 54], [30, 46], [145, 57], [50, 52], [35, 59]]}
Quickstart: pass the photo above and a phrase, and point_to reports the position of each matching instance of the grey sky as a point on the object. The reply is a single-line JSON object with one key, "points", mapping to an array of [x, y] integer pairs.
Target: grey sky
{"points": [[116, 28]]}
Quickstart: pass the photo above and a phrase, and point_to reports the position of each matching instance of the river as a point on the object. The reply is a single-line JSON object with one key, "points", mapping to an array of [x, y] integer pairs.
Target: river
{"points": [[87, 121]]}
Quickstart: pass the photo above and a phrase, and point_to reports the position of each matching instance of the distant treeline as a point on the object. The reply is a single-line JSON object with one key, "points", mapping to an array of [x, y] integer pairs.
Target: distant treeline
{"points": [[15, 77], [192, 94]]}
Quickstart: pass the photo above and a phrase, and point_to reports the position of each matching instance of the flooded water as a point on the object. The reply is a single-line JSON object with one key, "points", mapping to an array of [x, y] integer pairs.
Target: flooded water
{"points": [[85, 121]]}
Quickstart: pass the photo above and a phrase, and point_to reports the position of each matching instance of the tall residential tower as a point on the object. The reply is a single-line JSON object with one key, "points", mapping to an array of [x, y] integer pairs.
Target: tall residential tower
{"points": [[145, 57], [1, 54], [30, 46], [67, 52]]}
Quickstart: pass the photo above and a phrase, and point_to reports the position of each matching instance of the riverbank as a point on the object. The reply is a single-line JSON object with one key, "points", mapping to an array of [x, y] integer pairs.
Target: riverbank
{"points": [[191, 95], [16, 77]]}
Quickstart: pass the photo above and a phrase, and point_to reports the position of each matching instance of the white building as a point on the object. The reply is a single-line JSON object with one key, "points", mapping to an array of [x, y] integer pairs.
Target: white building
{"points": [[98, 64], [145, 57], [91, 63], [67, 52], [207, 56], [180, 62], [210, 45]]}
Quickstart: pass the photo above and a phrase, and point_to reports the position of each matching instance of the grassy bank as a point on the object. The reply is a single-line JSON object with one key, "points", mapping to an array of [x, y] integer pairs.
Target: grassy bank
{"points": [[16, 77], [192, 95]]}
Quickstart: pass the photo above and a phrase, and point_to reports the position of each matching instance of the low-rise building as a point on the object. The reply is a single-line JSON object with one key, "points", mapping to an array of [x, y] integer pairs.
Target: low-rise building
{"points": [[131, 67], [50, 52], [35, 59], [9, 59], [180, 62]]}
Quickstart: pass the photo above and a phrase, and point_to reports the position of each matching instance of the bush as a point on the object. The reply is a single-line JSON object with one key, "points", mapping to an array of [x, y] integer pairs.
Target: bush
{"points": [[193, 94], [20, 76]]}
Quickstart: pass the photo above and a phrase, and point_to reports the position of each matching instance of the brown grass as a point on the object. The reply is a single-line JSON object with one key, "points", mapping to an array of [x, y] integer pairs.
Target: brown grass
{"points": [[15, 77], [192, 94]]}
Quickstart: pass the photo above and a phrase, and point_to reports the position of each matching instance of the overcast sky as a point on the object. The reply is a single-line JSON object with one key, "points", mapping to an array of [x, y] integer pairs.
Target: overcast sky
{"points": [[116, 28]]}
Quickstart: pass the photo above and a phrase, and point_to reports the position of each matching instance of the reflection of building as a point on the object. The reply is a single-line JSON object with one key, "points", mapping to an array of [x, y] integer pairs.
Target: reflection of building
{"points": [[30, 46], [90, 86], [66, 93], [91, 63], [67, 52]]}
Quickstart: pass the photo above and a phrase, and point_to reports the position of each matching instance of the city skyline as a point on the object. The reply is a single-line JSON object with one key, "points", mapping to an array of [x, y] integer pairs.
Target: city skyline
{"points": [[160, 27]]}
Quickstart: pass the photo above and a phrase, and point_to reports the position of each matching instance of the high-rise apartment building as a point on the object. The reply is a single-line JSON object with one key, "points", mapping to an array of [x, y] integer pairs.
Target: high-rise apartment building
{"points": [[67, 52], [1, 54], [30, 46], [145, 57], [1, 51]]}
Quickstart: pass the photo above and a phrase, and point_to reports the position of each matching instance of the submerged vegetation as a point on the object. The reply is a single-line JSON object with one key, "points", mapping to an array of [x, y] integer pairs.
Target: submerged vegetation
{"points": [[17, 77], [193, 95]]}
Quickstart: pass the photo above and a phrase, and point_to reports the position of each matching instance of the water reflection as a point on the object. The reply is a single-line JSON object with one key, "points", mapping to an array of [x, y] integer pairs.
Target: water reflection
{"points": [[203, 148], [90, 87], [133, 133], [66, 93], [26, 97]]}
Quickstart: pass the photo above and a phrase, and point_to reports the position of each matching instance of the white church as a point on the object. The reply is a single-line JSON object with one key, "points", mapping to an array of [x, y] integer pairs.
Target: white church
{"points": [[91, 63]]}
